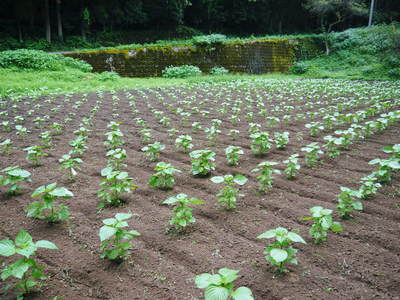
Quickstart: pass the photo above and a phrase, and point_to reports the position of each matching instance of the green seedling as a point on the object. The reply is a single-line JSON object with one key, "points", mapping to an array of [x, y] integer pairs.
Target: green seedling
{"points": [[265, 179], [115, 241], [46, 139], [369, 186], [152, 151], [386, 168], [292, 167], [183, 213], [57, 128], [347, 204], [6, 146], [34, 154], [6, 126], [114, 139], [172, 132], [323, 222], [315, 128], [196, 126], [393, 150], [229, 194], [281, 251], [12, 176], [145, 134], [233, 154], [313, 152], [261, 143], [21, 131], [332, 145], [45, 208], [202, 162], [233, 133], [220, 286], [212, 134], [71, 164], [114, 184], [78, 146], [26, 270], [164, 176], [281, 139], [116, 158]]}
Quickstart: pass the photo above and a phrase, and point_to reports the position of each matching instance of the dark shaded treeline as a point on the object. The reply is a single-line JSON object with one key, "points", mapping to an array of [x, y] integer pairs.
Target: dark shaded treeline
{"points": [[56, 19]]}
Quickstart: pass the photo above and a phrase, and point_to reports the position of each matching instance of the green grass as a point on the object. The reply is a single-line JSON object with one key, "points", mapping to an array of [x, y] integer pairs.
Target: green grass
{"points": [[34, 83]]}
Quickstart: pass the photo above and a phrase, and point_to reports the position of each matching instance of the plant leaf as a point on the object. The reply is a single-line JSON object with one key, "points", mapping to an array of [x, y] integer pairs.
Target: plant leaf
{"points": [[204, 280], [216, 293], [242, 293], [279, 255], [7, 248], [45, 244], [106, 232]]}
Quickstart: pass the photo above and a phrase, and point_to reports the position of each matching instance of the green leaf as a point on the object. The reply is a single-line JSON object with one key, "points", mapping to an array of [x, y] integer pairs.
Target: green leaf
{"points": [[217, 179], [294, 237], [171, 200], [267, 235], [19, 173], [357, 205], [228, 274], [216, 293], [240, 179], [22, 239], [19, 268], [106, 232], [204, 280], [279, 255], [336, 227], [242, 293], [61, 192], [40, 190], [45, 244], [123, 216], [7, 248]]}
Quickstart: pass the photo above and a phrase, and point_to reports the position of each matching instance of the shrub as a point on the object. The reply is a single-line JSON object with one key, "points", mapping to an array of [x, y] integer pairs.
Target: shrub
{"points": [[299, 67], [108, 76], [187, 31], [211, 39], [39, 60], [180, 71], [218, 71]]}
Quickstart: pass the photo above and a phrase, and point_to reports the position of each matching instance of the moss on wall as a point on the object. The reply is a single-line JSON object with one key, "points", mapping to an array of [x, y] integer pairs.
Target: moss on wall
{"points": [[255, 57]]}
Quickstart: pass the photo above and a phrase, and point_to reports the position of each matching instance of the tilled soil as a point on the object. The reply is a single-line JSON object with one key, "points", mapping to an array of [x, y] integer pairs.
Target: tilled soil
{"points": [[362, 262]]}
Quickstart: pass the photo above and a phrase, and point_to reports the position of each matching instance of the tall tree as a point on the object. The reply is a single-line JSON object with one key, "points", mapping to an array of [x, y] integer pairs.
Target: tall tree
{"points": [[47, 20], [59, 21]]}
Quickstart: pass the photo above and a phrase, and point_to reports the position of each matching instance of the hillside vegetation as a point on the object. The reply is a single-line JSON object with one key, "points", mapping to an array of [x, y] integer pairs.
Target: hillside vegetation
{"points": [[359, 53]]}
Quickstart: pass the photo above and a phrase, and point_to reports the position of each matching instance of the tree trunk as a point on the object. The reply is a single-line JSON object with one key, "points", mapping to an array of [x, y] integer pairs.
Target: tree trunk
{"points": [[47, 20], [59, 21]]}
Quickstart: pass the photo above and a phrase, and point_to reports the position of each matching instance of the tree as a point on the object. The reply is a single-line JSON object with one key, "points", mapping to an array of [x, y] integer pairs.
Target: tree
{"points": [[333, 12]]}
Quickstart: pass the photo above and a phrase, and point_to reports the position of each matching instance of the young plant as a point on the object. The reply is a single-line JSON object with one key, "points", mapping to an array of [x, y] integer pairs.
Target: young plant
{"points": [[281, 139], [163, 178], [394, 150], [48, 194], [116, 158], [34, 154], [78, 146], [315, 128], [233, 133], [172, 132], [22, 131], [228, 195], [323, 222], [6, 146], [12, 176], [313, 152], [114, 139], [46, 139], [347, 203], [233, 154], [332, 145], [183, 213], [369, 186], [26, 270], [261, 143], [6, 126], [145, 134], [212, 134], [152, 151], [266, 170], [112, 187], [57, 128], [281, 251], [202, 162], [196, 126], [115, 241], [220, 286], [386, 168], [292, 167], [71, 164]]}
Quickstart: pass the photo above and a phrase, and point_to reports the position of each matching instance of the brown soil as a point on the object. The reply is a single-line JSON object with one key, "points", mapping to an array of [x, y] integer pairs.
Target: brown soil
{"points": [[362, 262]]}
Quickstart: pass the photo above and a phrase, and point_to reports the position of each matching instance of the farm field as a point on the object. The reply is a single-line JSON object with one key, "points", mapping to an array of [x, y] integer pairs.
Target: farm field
{"points": [[360, 262]]}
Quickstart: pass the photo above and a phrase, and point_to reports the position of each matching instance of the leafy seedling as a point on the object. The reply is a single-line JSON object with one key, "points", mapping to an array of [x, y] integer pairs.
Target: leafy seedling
{"points": [[164, 176], [228, 195], [265, 179], [152, 151], [202, 162], [71, 164], [347, 204], [292, 166], [233, 154]]}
